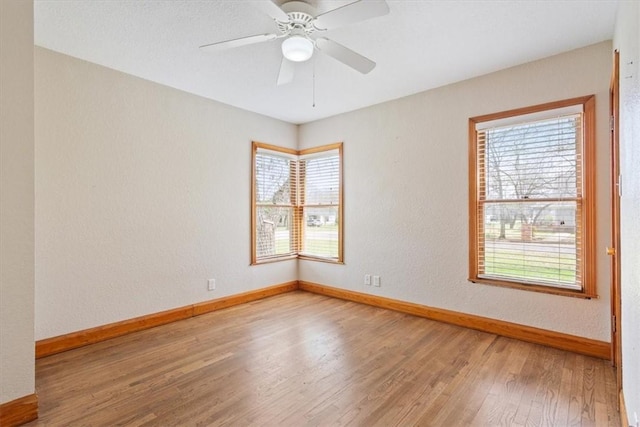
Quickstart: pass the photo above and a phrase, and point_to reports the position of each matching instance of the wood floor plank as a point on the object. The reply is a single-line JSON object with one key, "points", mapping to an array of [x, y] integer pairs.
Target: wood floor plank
{"points": [[303, 359], [575, 396], [564, 393]]}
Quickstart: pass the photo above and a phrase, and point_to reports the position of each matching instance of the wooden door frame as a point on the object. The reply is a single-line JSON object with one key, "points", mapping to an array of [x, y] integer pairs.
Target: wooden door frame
{"points": [[614, 108]]}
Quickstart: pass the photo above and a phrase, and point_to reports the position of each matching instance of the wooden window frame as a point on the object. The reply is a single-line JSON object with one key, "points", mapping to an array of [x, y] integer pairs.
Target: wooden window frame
{"points": [[302, 203], [293, 184], [297, 184], [587, 229]]}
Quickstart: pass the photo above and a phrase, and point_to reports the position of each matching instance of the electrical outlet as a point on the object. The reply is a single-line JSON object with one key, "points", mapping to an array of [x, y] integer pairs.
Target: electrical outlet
{"points": [[367, 279], [376, 281], [211, 284]]}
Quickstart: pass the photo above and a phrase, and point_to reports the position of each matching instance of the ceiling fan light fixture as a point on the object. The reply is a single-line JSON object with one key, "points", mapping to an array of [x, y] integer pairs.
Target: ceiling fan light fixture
{"points": [[297, 48]]}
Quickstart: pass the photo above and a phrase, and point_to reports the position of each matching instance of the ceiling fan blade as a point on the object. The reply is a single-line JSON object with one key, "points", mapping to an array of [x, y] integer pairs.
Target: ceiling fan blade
{"points": [[287, 69], [345, 55], [243, 41], [272, 9], [351, 13]]}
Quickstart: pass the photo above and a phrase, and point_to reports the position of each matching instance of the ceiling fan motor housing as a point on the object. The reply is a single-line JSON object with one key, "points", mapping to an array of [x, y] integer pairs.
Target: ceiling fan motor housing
{"points": [[301, 16]]}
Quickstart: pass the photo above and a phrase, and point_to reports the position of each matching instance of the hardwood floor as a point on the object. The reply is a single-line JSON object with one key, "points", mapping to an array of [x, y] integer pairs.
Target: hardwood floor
{"points": [[304, 359]]}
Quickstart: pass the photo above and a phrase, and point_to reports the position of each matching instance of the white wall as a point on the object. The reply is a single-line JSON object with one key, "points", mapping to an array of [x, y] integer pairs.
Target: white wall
{"points": [[627, 41], [406, 187], [142, 194], [16, 200]]}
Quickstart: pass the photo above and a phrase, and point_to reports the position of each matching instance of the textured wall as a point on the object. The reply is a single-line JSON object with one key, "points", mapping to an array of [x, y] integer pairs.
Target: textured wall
{"points": [[142, 195], [406, 187], [16, 200], [627, 41]]}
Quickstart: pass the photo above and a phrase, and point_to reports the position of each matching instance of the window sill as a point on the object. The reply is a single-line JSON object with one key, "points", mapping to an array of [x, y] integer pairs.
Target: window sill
{"points": [[274, 259], [534, 288], [290, 257], [327, 260]]}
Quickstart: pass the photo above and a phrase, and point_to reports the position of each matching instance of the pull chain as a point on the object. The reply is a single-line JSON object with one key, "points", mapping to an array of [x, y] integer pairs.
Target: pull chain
{"points": [[314, 82]]}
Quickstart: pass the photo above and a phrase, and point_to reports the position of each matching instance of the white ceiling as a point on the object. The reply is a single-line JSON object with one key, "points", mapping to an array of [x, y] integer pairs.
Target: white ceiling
{"points": [[419, 45]]}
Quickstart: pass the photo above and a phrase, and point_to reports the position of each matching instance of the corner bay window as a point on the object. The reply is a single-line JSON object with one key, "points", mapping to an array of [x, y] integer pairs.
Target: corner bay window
{"points": [[296, 208], [531, 198]]}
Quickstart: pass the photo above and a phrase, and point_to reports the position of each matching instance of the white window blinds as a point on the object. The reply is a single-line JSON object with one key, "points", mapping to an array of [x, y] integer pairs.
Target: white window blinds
{"points": [[275, 175], [531, 199], [530, 207], [320, 199]]}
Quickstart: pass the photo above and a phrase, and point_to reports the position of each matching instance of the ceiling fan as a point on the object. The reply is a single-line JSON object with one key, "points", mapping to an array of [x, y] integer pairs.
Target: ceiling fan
{"points": [[300, 27]]}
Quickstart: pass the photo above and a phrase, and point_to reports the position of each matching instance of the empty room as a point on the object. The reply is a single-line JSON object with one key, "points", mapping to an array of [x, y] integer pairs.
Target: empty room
{"points": [[319, 212]]}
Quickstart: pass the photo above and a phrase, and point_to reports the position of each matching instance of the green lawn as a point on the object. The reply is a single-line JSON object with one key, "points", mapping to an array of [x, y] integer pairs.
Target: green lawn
{"points": [[557, 267], [315, 242], [322, 247], [282, 246], [547, 257]]}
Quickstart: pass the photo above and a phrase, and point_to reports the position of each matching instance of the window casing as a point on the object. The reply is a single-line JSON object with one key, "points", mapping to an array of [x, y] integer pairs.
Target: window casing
{"points": [[532, 199], [296, 207]]}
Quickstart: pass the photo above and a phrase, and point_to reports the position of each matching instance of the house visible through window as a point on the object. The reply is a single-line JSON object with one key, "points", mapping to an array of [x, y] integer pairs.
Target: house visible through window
{"points": [[296, 203], [532, 198]]}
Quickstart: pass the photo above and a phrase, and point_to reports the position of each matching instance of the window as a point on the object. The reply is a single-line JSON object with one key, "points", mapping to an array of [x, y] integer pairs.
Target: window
{"points": [[320, 199], [274, 204], [531, 198], [296, 207]]}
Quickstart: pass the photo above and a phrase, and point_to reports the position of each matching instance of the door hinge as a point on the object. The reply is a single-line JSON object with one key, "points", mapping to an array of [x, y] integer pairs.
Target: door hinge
{"points": [[619, 185], [613, 323], [612, 121]]}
